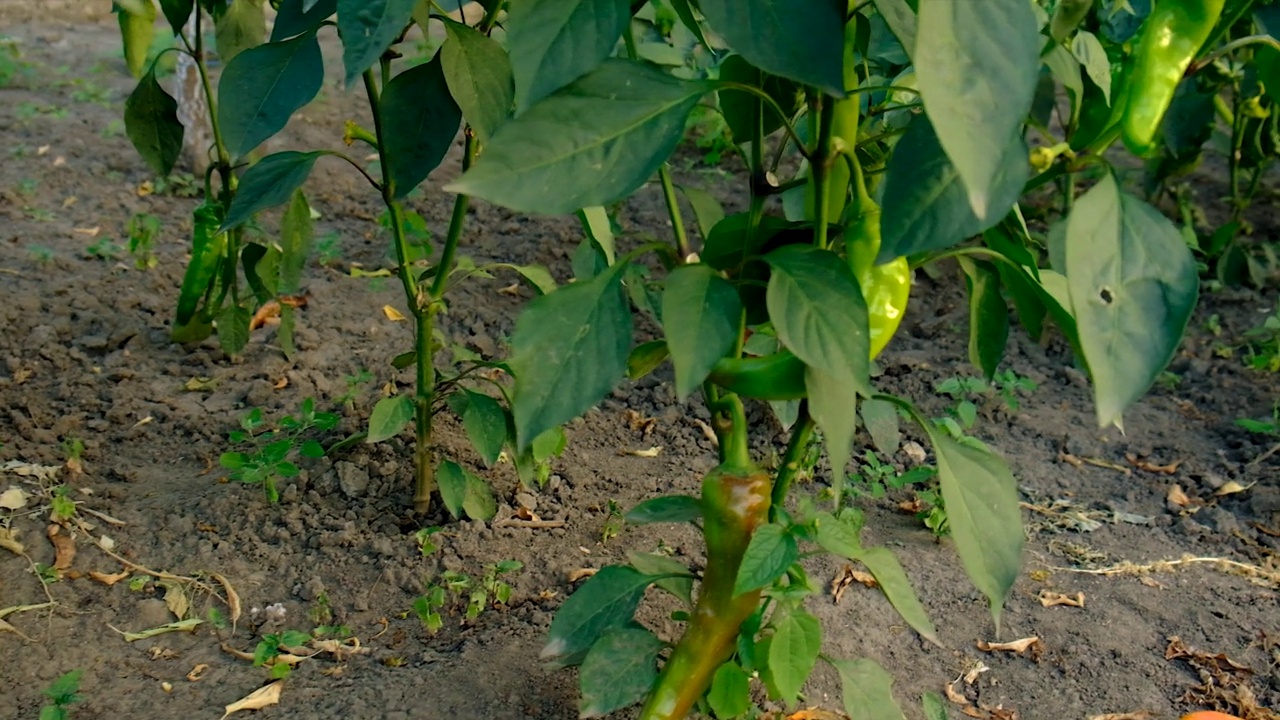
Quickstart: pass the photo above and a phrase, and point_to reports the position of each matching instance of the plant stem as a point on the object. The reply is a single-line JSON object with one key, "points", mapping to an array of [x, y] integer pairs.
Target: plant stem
{"points": [[800, 435], [673, 209], [456, 222], [821, 169], [419, 307]]}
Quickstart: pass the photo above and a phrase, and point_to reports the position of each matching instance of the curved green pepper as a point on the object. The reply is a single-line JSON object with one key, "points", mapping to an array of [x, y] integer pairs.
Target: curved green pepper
{"points": [[1171, 38], [886, 288], [735, 501], [779, 376], [137, 26], [207, 250]]}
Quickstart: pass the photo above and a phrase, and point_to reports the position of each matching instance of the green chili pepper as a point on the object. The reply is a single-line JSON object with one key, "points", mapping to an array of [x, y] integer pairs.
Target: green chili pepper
{"points": [[844, 125], [137, 26], [735, 501], [886, 288], [779, 376], [1171, 37], [207, 249]]}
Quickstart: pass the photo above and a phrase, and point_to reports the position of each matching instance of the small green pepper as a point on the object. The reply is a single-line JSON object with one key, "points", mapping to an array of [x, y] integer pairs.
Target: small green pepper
{"points": [[137, 26], [779, 376], [735, 501], [1171, 37]]}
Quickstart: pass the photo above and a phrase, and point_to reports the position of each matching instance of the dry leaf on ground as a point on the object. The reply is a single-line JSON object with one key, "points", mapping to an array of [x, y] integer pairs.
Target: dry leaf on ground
{"points": [[392, 314], [64, 547], [1015, 646], [1148, 466], [9, 541], [581, 574], [264, 696], [847, 577], [1232, 487], [15, 498], [106, 579], [1049, 598], [1139, 715], [175, 598], [652, 452]]}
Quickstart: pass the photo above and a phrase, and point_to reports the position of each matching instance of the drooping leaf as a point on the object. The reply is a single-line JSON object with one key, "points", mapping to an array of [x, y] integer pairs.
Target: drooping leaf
{"points": [[666, 509], [988, 316], [730, 693], [833, 403], [925, 205], [478, 72], [177, 12], [886, 569], [618, 671], [390, 415], [420, 120], [881, 420], [1093, 57], [453, 486], [486, 424], [680, 582], [269, 182], [137, 22], [981, 498], [793, 651], [607, 600], [977, 64], [590, 143], [569, 348], [1133, 286], [707, 211], [701, 312], [368, 27], [233, 328], [742, 110], [798, 39], [151, 122], [263, 87], [868, 690], [554, 42], [241, 27], [768, 555], [292, 19], [295, 243], [900, 17]]}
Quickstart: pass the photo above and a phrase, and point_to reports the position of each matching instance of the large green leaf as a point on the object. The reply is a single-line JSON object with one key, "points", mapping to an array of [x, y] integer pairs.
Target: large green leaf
{"points": [[700, 316], [419, 121], [743, 111], [988, 316], [292, 19], [981, 497], [868, 690], [833, 404], [769, 553], [554, 42], [678, 580], [976, 65], [267, 183], [607, 600], [1133, 286], [618, 671], [888, 572], [263, 87], [486, 424], [390, 415], [151, 122], [241, 27], [453, 486], [899, 16], [368, 27], [798, 39], [925, 205], [591, 143], [793, 651], [478, 72], [569, 348]]}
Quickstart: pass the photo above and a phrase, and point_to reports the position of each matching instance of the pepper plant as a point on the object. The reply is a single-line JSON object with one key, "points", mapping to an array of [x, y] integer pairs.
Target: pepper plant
{"points": [[913, 123]]}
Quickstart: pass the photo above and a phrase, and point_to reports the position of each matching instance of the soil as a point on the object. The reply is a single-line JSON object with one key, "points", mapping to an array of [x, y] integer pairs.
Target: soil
{"points": [[86, 355]]}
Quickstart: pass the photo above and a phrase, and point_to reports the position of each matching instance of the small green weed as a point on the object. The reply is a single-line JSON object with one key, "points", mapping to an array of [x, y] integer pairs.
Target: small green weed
{"points": [[1006, 384], [426, 545], [328, 249], [41, 253], [143, 228], [1262, 345], [179, 184], [708, 132], [64, 692], [113, 129], [13, 69], [104, 248], [613, 523], [453, 587], [61, 506], [271, 646], [271, 453], [29, 110], [1268, 426], [353, 382]]}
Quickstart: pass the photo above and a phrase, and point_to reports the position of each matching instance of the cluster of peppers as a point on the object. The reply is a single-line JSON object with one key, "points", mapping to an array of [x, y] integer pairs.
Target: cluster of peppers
{"points": [[736, 496]]}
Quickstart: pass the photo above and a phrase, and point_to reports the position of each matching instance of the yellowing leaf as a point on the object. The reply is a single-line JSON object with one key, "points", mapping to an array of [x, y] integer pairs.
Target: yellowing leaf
{"points": [[1016, 646], [1232, 487], [9, 541], [392, 313], [264, 696], [15, 498]]}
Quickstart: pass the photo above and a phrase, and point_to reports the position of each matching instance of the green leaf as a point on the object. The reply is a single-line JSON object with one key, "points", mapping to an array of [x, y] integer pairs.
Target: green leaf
{"points": [[177, 12], [568, 350], [645, 358], [420, 120], [618, 671], [900, 17], [452, 482], [267, 183], [478, 72], [295, 244], [607, 600], [981, 498], [486, 424], [599, 229], [730, 693], [591, 143], [263, 87], [743, 111], [988, 316], [1089, 51], [680, 584], [976, 66], [478, 501], [925, 204], [137, 22], [151, 122], [233, 328], [868, 689], [700, 313], [554, 42], [666, 509], [768, 555], [1133, 287], [292, 19], [549, 444], [707, 211], [798, 39], [241, 27], [833, 404], [881, 420], [886, 569], [390, 415], [934, 707], [368, 27], [793, 651]]}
